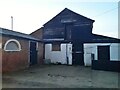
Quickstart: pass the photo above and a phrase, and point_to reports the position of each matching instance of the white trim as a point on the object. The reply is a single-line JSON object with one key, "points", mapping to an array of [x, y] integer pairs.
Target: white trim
{"points": [[13, 40], [37, 46]]}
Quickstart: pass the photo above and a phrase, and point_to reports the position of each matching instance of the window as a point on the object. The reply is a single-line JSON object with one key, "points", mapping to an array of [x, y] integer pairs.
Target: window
{"points": [[56, 47], [12, 45]]}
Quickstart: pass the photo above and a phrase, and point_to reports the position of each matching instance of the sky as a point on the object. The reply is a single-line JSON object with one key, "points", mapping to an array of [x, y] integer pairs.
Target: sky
{"points": [[29, 15]]}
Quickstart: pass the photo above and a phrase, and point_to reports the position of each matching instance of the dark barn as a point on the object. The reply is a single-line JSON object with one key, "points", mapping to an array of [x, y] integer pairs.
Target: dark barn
{"points": [[66, 37]]}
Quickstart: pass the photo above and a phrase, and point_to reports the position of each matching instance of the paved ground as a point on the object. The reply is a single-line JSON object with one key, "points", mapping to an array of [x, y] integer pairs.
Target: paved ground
{"points": [[60, 76]]}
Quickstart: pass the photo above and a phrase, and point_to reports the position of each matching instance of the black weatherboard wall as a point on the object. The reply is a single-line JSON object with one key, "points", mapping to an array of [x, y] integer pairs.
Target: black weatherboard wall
{"points": [[68, 25], [71, 27]]}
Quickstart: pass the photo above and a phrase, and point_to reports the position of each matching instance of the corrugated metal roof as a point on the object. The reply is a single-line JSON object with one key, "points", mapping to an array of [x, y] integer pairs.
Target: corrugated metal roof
{"points": [[4, 31]]}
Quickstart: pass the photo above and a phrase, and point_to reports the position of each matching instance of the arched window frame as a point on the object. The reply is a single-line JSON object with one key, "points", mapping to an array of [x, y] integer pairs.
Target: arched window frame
{"points": [[13, 40]]}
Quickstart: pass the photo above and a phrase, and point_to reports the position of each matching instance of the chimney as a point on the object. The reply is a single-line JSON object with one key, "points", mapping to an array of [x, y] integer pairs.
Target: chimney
{"points": [[11, 22]]}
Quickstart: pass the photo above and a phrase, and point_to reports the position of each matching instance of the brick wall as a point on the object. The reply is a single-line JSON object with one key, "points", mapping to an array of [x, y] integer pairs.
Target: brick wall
{"points": [[38, 33], [15, 60]]}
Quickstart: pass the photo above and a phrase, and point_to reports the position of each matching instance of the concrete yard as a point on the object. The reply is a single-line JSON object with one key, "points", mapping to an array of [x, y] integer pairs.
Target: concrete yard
{"points": [[60, 76]]}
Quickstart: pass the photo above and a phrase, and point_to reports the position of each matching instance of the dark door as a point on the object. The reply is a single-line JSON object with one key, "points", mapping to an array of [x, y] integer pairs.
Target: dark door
{"points": [[104, 53], [33, 53], [77, 54]]}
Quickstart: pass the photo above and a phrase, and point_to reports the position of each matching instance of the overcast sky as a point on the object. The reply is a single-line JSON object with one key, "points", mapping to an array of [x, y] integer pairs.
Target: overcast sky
{"points": [[29, 15]]}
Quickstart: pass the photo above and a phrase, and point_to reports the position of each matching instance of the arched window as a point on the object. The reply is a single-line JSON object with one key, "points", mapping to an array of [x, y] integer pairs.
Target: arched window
{"points": [[12, 45]]}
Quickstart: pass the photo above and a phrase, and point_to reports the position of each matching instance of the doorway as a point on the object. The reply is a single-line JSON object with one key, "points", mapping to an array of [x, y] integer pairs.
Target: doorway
{"points": [[77, 54], [104, 53], [33, 53]]}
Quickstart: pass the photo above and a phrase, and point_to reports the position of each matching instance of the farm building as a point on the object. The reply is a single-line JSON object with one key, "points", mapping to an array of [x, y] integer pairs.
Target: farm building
{"points": [[68, 39], [19, 50]]}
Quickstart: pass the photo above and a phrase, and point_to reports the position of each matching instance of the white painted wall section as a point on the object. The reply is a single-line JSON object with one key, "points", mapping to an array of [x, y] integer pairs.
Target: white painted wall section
{"points": [[59, 56], [69, 53], [92, 49], [88, 50]]}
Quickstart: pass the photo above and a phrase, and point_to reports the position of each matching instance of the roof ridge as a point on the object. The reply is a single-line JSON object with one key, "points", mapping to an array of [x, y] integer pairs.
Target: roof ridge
{"points": [[16, 33], [70, 11]]}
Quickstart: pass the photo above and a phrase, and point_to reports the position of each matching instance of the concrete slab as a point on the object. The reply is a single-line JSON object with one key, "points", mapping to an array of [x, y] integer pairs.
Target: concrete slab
{"points": [[60, 76]]}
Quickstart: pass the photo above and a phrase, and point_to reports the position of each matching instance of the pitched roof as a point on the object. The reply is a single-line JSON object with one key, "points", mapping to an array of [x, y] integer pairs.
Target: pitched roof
{"points": [[66, 9], [36, 30], [101, 38], [4, 31]]}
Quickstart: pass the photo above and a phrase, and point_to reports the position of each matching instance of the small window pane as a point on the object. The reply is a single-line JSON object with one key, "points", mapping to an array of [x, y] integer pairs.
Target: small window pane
{"points": [[56, 47], [12, 46]]}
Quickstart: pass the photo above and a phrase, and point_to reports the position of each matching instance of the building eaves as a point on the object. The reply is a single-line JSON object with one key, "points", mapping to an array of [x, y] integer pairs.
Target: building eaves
{"points": [[4, 31]]}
